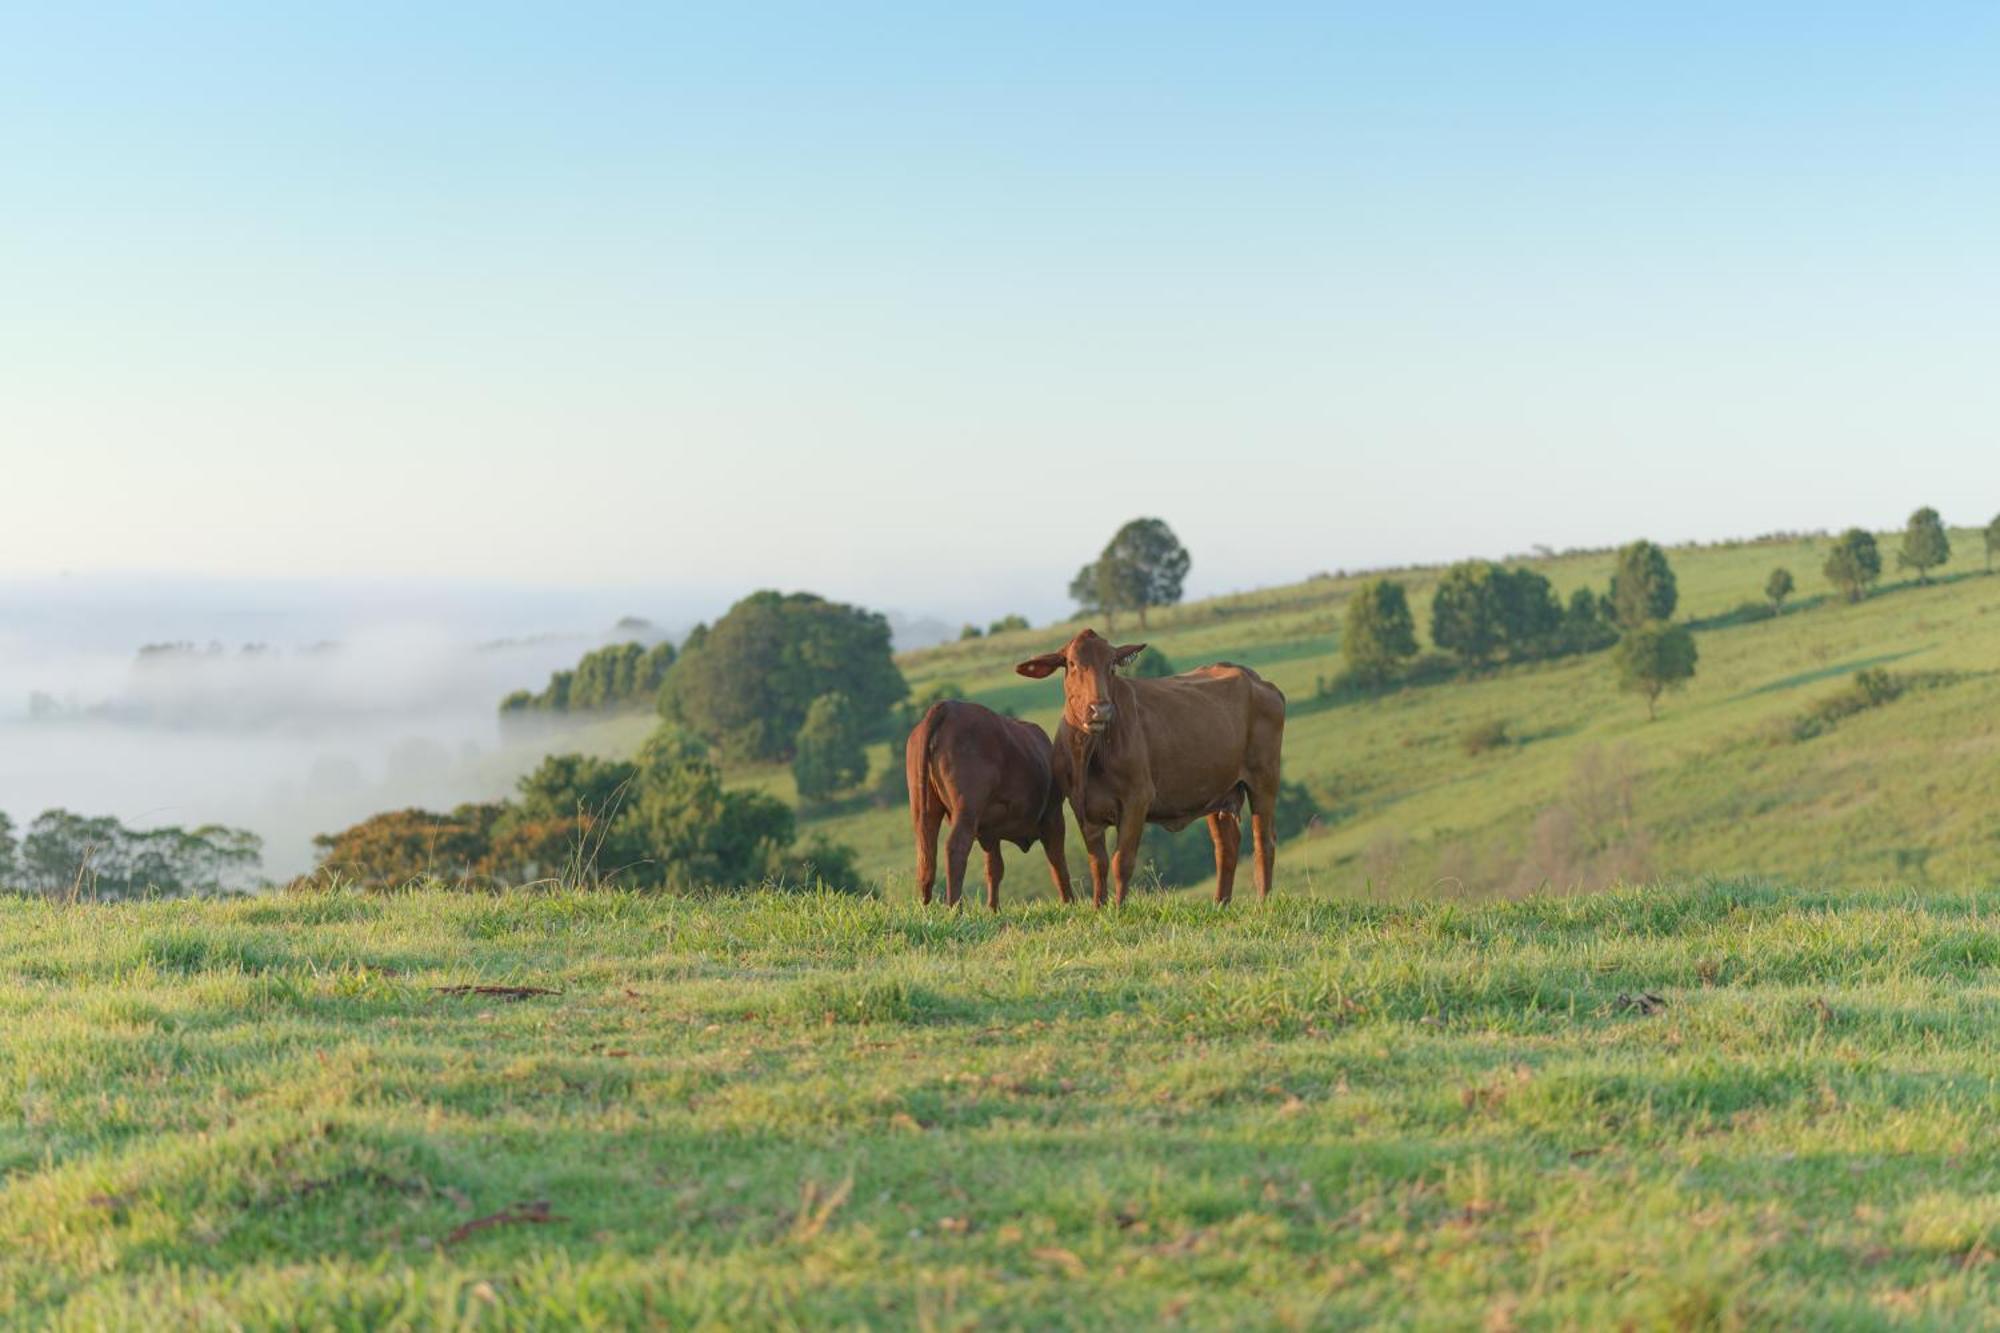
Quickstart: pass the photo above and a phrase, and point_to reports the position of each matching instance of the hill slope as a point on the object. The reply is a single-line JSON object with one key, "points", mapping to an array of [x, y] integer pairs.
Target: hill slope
{"points": [[1721, 1105], [1587, 792]]}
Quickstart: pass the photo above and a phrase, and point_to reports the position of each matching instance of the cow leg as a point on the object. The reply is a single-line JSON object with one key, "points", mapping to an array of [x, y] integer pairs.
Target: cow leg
{"points": [[957, 849], [1263, 837], [927, 836], [1131, 827], [1226, 831], [1100, 861], [1052, 847], [995, 868]]}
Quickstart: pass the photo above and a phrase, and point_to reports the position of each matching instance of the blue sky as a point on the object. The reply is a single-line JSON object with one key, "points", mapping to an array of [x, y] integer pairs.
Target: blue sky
{"points": [[915, 304]]}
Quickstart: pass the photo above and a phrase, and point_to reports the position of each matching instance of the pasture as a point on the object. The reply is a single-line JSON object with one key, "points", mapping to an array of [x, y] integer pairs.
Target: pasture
{"points": [[1582, 791], [1716, 1104]]}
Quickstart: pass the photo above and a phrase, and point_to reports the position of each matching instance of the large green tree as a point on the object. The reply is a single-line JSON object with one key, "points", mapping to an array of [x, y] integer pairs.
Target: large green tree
{"points": [[1854, 563], [1926, 545], [746, 682], [1992, 535], [1642, 585], [1142, 566], [1654, 657], [1378, 633], [8, 848]]}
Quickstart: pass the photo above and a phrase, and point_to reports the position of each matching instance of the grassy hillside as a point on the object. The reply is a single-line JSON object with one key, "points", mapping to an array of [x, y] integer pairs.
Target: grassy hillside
{"points": [[1587, 792], [1716, 1106]]}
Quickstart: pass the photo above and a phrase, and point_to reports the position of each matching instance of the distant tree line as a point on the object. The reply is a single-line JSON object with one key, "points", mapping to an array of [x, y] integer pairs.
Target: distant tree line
{"points": [[98, 857], [622, 675], [1484, 614], [662, 820]]}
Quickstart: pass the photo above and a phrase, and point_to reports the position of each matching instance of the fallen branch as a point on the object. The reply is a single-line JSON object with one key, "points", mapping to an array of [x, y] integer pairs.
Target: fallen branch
{"points": [[504, 992], [536, 1212]]}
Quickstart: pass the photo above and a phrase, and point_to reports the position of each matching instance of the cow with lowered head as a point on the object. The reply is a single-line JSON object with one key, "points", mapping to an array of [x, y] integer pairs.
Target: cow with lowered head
{"points": [[994, 778], [1166, 751]]}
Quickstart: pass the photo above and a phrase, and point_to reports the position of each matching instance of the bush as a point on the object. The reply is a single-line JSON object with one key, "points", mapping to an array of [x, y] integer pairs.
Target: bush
{"points": [[1868, 689], [1151, 664], [1485, 736]]}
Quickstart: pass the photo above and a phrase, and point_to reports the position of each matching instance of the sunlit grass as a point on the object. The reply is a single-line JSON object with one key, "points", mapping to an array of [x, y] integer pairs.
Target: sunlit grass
{"points": [[822, 1111]]}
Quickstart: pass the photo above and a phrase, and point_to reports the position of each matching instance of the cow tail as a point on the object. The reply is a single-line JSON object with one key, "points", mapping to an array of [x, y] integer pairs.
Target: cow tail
{"points": [[917, 762]]}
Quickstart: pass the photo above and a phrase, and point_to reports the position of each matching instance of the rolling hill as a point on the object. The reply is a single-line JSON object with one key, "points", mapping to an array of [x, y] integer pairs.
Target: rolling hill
{"points": [[1585, 791]]}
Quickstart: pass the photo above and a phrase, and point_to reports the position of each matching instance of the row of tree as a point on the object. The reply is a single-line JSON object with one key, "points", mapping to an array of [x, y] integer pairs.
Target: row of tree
{"points": [[96, 856], [622, 675], [660, 820], [1483, 613]]}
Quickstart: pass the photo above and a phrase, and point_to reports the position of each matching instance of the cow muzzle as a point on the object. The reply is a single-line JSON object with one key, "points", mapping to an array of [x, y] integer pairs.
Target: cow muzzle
{"points": [[1098, 720]]}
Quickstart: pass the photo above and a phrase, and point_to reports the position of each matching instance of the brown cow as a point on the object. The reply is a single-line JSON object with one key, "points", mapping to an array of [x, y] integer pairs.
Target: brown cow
{"points": [[1165, 751], [994, 778]]}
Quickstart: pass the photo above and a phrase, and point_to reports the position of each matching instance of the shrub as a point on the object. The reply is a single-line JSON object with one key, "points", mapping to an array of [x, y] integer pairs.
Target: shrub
{"points": [[1485, 736], [1152, 664]]}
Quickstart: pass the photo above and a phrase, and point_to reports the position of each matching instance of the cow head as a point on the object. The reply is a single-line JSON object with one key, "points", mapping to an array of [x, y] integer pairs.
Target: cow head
{"points": [[1088, 662]]}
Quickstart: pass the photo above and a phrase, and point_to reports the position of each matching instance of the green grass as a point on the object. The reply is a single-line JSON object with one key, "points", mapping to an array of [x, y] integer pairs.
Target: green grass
{"points": [[813, 1112], [1715, 787]]}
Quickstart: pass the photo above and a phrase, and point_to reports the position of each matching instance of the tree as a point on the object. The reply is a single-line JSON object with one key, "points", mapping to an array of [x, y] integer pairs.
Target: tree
{"points": [[620, 675], [1925, 544], [98, 857], [830, 755], [401, 847], [1530, 615], [1142, 566], [1378, 633], [1092, 592], [1778, 587], [1151, 664], [1992, 535], [747, 681], [1465, 612], [1010, 621], [1586, 626], [1854, 563], [660, 820], [971, 632], [1642, 586], [1655, 657], [8, 848]]}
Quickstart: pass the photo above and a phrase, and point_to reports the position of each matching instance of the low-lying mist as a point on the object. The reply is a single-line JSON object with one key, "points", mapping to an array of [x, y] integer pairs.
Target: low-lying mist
{"points": [[288, 723]]}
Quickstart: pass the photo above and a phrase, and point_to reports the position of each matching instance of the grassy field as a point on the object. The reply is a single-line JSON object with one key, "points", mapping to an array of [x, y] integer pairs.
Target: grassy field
{"points": [[1719, 1105], [1587, 792]]}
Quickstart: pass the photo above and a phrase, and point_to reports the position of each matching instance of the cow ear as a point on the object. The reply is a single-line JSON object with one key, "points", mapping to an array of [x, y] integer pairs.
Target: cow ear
{"points": [[1037, 667], [1120, 656]]}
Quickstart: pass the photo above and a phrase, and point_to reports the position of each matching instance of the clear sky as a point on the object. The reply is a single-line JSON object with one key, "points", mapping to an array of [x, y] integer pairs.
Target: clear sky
{"points": [[914, 304]]}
